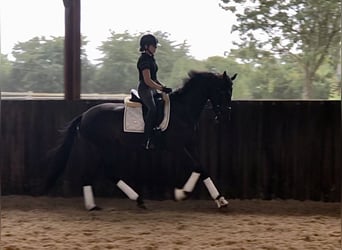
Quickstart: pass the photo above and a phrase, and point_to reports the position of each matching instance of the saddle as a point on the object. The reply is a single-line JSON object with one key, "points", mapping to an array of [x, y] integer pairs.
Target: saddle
{"points": [[135, 111]]}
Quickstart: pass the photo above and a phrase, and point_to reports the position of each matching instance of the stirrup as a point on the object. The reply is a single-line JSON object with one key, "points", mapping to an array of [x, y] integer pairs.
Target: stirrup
{"points": [[221, 202]]}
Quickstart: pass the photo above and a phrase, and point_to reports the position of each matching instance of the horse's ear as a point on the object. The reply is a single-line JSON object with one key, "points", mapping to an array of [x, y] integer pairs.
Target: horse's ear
{"points": [[233, 77], [224, 74]]}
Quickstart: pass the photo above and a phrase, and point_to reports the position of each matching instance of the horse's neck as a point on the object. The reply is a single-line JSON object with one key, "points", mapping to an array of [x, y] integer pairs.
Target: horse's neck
{"points": [[189, 105]]}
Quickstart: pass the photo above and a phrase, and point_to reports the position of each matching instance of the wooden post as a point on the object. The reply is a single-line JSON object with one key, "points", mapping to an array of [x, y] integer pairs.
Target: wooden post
{"points": [[72, 50]]}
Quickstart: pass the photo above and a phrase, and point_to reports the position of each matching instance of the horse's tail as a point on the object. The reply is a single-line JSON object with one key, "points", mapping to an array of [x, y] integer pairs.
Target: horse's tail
{"points": [[59, 155]]}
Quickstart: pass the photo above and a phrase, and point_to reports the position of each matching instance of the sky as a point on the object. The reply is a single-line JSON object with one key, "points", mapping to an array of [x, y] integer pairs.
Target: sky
{"points": [[202, 23]]}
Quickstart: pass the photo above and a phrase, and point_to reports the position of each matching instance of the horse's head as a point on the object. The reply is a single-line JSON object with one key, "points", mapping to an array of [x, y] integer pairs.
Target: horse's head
{"points": [[220, 95]]}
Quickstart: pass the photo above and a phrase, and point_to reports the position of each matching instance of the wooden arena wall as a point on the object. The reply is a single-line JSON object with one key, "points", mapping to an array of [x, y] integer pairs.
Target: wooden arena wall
{"points": [[268, 150]]}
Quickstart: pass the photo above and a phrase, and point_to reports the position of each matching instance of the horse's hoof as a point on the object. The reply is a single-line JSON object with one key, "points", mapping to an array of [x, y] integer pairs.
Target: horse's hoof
{"points": [[141, 205], [221, 202], [180, 194], [96, 208]]}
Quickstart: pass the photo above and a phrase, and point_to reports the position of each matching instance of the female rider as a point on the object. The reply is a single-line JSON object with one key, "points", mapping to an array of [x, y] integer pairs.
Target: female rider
{"points": [[149, 84]]}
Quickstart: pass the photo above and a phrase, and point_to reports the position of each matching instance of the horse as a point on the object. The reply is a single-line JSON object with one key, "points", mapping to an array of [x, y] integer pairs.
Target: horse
{"points": [[102, 127]]}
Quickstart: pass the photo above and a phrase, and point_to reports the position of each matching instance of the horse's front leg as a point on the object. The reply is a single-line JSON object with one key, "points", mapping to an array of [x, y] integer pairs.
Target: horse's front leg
{"points": [[131, 194], [89, 161], [199, 172], [112, 173]]}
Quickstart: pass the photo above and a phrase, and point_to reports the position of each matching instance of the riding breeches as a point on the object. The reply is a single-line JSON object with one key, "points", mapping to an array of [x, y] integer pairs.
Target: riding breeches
{"points": [[147, 97]]}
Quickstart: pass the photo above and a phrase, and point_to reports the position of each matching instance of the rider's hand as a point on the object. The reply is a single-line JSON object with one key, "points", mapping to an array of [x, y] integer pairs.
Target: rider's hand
{"points": [[166, 90]]}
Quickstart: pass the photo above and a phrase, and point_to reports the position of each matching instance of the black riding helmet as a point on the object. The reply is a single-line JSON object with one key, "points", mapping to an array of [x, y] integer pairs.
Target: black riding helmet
{"points": [[147, 40]]}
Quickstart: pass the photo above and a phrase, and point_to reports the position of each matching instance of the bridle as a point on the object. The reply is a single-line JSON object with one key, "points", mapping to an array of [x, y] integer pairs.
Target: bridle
{"points": [[218, 109], [220, 96]]}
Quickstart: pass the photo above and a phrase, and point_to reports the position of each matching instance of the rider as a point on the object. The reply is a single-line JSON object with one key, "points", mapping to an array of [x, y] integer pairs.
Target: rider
{"points": [[149, 84]]}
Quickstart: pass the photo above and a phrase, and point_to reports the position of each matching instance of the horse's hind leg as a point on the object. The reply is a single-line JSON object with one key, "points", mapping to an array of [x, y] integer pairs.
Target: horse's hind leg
{"points": [[88, 196], [181, 194], [89, 162], [198, 172]]}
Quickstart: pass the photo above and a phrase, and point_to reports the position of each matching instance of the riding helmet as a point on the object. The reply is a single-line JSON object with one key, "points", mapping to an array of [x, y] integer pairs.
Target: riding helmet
{"points": [[147, 40]]}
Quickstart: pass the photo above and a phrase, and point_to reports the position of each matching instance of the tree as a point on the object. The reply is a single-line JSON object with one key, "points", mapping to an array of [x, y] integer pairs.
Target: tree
{"points": [[220, 64], [117, 68], [306, 30], [38, 65], [172, 59], [180, 69], [5, 71], [268, 76]]}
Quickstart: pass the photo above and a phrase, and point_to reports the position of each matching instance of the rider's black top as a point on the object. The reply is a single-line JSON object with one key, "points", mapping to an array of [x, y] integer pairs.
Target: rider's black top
{"points": [[147, 61]]}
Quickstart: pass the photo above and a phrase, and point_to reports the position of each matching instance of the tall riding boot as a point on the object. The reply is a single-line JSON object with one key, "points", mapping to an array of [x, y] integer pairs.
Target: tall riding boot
{"points": [[149, 143], [153, 140]]}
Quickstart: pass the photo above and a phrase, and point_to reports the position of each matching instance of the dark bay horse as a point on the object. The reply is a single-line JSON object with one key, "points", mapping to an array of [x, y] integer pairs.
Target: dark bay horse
{"points": [[102, 127]]}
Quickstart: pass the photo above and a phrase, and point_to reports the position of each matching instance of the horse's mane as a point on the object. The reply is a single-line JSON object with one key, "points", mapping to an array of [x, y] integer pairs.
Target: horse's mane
{"points": [[195, 77]]}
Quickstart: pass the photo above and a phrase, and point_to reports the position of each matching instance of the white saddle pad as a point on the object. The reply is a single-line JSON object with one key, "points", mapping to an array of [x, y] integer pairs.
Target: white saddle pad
{"points": [[133, 120]]}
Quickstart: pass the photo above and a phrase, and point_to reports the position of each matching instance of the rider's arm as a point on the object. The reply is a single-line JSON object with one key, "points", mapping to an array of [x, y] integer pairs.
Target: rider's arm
{"points": [[147, 79]]}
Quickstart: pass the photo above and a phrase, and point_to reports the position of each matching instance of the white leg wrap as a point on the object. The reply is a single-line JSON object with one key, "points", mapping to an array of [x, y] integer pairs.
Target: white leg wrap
{"points": [[179, 194], [211, 188], [88, 197], [127, 190], [190, 184], [221, 202]]}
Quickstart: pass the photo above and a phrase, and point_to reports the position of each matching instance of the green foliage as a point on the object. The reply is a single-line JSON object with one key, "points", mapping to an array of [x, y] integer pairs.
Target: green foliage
{"points": [[117, 71], [306, 30], [38, 66], [88, 70], [173, 60], [5, 71], [326, 83], [266, 76]]}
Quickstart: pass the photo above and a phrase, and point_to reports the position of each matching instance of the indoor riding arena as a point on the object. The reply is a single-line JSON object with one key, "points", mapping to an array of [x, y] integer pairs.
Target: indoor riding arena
{"points": [[280, 173], [276, 162]]}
